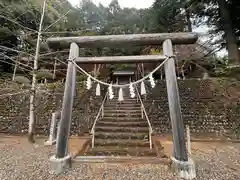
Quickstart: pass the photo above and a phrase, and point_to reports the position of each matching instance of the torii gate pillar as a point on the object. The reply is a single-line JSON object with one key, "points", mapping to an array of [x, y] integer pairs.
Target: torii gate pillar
{"points": [[62, 159], [182, 165]]}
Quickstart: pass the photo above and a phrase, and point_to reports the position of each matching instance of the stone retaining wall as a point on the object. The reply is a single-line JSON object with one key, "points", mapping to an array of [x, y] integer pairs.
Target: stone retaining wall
{"points": [[14, 110], [204, 107]]}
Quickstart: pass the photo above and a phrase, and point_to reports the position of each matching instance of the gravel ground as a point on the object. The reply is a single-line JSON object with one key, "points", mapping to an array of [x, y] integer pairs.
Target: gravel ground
{"points": [[22, 161]]}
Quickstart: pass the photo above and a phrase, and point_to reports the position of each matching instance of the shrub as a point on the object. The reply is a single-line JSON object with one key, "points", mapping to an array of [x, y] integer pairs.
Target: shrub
{"points": [[44, 74], [21, 80], [81, 78]]}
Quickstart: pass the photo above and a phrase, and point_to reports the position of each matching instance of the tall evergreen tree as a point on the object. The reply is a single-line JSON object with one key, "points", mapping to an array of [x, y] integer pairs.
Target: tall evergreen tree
{"points": [[222, 16]]}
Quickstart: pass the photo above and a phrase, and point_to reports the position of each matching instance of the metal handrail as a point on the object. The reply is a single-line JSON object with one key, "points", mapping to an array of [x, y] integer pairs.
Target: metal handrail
{"points": [[100, 112], [143, 110]]}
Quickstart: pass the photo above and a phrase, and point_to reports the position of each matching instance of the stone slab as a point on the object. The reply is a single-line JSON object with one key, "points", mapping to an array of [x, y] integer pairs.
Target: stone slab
{"points": [[122, 159], [49, 143], [185, 170], [59, 165]]}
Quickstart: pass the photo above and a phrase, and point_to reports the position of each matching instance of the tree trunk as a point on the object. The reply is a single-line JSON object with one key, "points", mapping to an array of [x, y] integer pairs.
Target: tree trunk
{"points": [[230, 36], [188, 17]]}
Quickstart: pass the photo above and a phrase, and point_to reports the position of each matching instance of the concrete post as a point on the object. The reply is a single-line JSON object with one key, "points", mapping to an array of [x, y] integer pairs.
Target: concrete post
{"points": [[52, 135]]}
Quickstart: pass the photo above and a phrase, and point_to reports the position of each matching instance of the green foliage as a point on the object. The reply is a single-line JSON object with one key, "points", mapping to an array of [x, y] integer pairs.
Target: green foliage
{"points": [[223, 69], [167, 16], [118, 67], [80, 78], [53, 86], [44, 74], [97, 19], [234, 72], [162, 16], [156, 51], [21, 80]]}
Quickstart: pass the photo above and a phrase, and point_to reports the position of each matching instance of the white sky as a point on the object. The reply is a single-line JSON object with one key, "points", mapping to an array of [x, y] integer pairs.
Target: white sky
{"points": [[123, 3]]}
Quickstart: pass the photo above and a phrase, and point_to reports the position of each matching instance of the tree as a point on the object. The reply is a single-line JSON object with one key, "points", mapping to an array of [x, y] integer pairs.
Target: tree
{"points": [[167, 16], [223, 17], [230, 37], [114, 7]]}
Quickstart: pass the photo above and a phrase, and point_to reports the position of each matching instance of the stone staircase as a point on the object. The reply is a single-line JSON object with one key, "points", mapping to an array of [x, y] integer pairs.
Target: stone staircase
{"points": [[122, 131]]}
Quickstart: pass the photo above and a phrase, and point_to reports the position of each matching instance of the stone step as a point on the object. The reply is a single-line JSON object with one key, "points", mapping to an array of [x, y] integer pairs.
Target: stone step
{"points": [[112, 102], [121, 135], [125, 108], [123, 102], [121, 142], [122, 105], [125, 99], [124, 94], [120, 114], [122, 111], [118, 151], [121, 129], [122, 119], [123, 124]]}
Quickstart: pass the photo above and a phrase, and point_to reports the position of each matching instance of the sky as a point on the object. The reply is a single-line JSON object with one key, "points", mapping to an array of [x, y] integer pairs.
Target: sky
{"points": [[123, 3]]}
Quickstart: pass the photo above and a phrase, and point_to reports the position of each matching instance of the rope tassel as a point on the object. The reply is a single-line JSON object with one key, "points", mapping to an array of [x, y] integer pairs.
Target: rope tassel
{"points": [[132, 93], [143, 89], [98, 90], [120, 95], [152, 82], [89, 83], [110, 91]]}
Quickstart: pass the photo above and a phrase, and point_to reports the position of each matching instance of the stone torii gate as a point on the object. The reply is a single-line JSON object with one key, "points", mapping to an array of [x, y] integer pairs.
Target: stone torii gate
{"points": [[182, 163]]}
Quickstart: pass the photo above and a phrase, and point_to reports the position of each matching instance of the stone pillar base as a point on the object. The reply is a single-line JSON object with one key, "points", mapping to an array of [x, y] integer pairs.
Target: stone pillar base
{"points": [[49, 143], [59, 165], [185, 170]]}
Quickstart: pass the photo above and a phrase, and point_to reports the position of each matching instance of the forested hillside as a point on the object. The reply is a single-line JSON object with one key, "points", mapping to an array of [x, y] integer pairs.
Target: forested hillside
{"points": [[19, 21]]}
